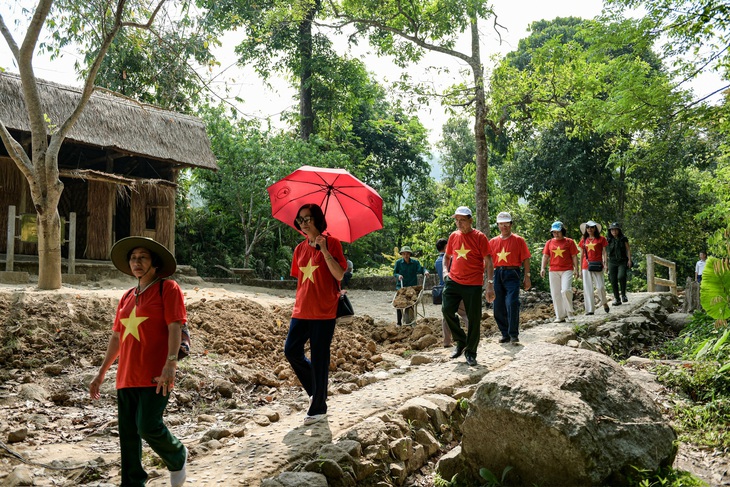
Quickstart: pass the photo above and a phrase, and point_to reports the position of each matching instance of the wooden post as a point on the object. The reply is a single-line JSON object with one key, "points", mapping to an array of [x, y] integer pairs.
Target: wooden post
{"points": [[650, 273], [10, 255], [71, 243], [673, 278]]}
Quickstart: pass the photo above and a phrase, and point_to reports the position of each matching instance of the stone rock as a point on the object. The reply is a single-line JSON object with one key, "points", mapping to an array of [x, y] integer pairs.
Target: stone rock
{"points": [[216, 434], [370, 432], [398, 472], [20, 475], [561, 416], [424, 342], [224, 388], [419, 332], [33, 392], [401, 448], [297, 479], [18, 435], [427, 440], [326, 466], [418, 458], [272, 415], [451, 463], [678, 321], [364, 469], [418, 359], [353, 448]]}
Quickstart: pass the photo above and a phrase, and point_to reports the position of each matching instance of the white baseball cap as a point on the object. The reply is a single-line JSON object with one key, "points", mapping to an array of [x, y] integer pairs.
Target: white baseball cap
{"points": [[504, 217], [463, 211]]}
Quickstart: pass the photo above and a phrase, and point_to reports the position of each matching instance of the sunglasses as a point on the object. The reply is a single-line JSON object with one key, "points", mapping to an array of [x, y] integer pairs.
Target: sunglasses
{"points": [[305, 219]]}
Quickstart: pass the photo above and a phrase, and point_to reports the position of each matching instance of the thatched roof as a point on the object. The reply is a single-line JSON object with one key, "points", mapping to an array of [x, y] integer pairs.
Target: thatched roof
{"points": [[113, 122]]}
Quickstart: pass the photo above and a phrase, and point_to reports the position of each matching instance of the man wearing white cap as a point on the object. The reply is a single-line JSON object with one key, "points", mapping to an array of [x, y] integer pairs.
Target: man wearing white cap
{"points": [[509, 255], [466, 256]]}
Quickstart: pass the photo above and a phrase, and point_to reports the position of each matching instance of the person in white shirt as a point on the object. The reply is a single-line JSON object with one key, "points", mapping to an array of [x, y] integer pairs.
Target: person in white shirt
{"points": [[700, 267]]}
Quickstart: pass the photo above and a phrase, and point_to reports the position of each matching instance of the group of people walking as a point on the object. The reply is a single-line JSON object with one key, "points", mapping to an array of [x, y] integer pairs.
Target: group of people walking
{"points": [[146, 332], [598, 255]]}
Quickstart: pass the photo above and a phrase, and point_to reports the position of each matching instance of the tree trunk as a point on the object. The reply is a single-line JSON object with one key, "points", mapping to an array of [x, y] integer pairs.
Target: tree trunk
{"points": [[49, 248], [306, 113], [480, 123]]}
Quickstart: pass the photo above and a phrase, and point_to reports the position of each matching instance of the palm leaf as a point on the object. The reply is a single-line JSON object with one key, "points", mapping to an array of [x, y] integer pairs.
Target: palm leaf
{"points": [[715, 288]]}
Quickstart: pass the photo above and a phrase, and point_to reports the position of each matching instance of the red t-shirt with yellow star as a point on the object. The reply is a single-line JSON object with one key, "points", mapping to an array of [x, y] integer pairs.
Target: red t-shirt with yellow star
{"points": [[592, 249], [509, 252], [467, 252], [317, 289], [561, 252], [142, 326]]}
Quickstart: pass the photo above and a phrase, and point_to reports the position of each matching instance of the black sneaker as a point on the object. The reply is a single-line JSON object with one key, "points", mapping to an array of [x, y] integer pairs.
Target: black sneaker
{"points": [[471, 361], [458, 350], [606, 308], [504, 340], [589, 313], [624, 299], [617, 303]]}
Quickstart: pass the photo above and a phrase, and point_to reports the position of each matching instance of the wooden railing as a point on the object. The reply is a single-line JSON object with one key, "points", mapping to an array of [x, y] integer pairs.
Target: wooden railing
{"points": [[652, 281]]}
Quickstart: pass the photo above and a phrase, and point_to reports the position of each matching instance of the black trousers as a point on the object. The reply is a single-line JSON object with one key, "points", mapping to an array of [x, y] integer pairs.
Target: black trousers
{"points": [[617, 273]]}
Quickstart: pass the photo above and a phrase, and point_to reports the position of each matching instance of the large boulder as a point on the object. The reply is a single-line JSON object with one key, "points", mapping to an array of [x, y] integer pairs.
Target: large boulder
{"points": [[562, 416]]}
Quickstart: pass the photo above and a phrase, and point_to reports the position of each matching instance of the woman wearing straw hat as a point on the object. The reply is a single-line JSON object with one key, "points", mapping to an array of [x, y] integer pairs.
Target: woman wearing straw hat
{"points": [[319, 265], [562, 254], [594, 260], [146, 338]]}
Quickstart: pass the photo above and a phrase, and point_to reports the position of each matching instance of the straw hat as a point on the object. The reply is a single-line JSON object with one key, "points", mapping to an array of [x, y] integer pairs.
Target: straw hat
{"points": [[122, 247], [590, 223]]}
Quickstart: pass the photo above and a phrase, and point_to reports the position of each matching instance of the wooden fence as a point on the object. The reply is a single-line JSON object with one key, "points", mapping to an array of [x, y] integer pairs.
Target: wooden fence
{"points": [[652, 281]]}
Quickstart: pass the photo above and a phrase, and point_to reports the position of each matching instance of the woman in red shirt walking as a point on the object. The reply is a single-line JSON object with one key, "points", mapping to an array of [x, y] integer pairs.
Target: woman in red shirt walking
{"points": [[319, 266], [594, 263]]}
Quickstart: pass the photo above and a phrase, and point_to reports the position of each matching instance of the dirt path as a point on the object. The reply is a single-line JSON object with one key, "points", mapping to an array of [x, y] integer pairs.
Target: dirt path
{"points": [[237, 407]]}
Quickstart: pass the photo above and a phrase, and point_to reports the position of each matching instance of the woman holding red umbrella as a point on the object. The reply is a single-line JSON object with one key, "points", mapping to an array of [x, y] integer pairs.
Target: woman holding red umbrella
{"points": [[319, 265]]}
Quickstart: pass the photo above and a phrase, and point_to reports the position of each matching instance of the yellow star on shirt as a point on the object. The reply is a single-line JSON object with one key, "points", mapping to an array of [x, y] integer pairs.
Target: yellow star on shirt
{"points": [[591, 246], [503, 255], [131, 324], [308, 271], [461, 253], [558, 252]]}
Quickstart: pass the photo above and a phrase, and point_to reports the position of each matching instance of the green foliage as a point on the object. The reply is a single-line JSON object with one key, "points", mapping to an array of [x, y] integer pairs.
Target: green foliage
{"points": [[715, 288], [664, 477], [493, 480]]}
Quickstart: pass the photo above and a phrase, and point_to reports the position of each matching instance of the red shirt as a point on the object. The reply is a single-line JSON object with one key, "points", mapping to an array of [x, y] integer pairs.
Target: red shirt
{"points": [[142, 326], [467, 252], [317, 289], [561, 252], [510, 251], [593, 250]]}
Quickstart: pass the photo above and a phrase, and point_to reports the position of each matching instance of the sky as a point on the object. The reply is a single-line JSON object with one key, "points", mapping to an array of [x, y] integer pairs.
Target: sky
{"points": [[267, 103]]}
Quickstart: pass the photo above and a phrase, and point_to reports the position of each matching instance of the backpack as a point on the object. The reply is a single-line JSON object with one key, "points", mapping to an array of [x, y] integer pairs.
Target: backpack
{"points": [[185, 340]]}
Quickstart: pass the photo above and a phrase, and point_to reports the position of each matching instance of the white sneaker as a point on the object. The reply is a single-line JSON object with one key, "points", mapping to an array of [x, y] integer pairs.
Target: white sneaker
{"points": [[559, 320], [177, 478]]}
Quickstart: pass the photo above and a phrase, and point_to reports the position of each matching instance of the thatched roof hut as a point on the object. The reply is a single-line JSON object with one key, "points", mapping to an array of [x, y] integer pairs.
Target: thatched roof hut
{"points": [[119, 164]]}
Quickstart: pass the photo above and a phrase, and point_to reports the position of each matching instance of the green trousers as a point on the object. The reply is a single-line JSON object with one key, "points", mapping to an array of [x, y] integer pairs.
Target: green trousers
{"points": [[452, 295], [139, 411]]}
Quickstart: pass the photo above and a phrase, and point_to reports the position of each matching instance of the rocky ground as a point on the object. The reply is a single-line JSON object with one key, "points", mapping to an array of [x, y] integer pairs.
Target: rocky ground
{"points": [[237, 377]]}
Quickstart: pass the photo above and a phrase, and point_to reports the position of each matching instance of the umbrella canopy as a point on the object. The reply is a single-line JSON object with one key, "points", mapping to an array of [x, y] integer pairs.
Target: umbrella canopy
{"points": [[352, 208]]}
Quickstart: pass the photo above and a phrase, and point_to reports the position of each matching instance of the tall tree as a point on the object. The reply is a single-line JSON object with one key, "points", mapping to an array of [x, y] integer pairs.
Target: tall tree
{"points": [[280, 36], [407, 30], [102, 20], [457, 149]]}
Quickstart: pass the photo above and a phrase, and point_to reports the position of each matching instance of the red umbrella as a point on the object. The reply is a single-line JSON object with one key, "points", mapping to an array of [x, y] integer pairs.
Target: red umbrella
{"points": [[351, 207]]}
